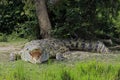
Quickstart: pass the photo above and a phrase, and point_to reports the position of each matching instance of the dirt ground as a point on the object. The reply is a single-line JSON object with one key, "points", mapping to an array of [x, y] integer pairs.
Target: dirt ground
{"points": [[6, 50]]}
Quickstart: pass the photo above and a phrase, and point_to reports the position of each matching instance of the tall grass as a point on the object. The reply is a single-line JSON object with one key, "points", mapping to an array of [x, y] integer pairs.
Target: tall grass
{"points": [[79, 71], [16, 72]]}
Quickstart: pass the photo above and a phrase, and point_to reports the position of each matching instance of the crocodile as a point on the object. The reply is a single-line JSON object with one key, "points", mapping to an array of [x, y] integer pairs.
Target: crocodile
{"points": [[38, 51]]}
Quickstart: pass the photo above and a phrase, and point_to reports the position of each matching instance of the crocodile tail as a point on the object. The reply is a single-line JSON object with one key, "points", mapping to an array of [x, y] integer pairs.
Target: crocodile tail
{"points": [[83, 45], [101, 48]]}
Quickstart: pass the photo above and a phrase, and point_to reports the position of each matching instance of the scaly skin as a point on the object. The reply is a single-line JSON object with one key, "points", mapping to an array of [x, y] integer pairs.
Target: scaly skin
{"points": [[46, 48]]}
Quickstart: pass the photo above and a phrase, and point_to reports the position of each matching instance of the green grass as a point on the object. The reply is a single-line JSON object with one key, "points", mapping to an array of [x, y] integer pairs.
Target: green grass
{"points": [[90, 70]]}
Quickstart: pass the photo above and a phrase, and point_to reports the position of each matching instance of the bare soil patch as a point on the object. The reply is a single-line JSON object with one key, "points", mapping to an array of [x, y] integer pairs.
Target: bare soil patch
{"points": [[6, 50]]}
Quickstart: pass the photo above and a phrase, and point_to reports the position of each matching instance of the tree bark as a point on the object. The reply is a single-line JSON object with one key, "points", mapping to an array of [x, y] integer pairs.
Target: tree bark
{"points": [[54, 2], [43, 18]]}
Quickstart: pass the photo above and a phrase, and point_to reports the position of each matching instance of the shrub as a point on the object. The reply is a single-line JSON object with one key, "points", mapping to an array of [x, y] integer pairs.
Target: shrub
{"points": [[3, 37]]}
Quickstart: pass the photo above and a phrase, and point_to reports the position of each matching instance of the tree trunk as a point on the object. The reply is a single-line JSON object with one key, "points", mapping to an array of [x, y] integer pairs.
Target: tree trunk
{"points": [[43, 18], [54, 2]]}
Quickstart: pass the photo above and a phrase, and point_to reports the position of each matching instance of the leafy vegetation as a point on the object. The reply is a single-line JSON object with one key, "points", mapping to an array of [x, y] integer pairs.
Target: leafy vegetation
{"points": [[3, 37], [84, 18], [12, 13], [70, 19], [90, 70], [18, 18]]}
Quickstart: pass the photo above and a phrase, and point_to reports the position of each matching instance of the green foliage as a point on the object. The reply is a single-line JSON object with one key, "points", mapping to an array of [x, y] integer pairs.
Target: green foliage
{"points": [[70, 18], [117, 25], [18, 18], [91, 70], [27, 30], [12, 13], [78, 18], [3, 37]]}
